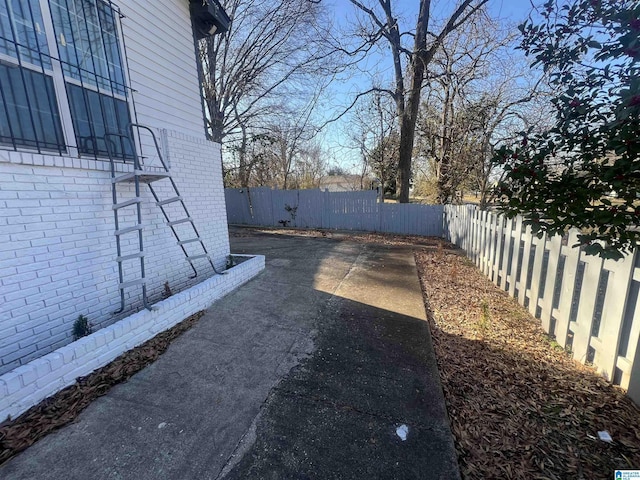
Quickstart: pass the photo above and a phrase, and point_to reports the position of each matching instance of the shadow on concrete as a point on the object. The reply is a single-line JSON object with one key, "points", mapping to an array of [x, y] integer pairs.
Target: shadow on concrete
{"points": [[335, 415]]}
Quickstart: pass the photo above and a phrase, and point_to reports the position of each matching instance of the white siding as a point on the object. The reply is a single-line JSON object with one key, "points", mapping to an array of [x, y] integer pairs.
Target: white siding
{"points": [[162, 64]]}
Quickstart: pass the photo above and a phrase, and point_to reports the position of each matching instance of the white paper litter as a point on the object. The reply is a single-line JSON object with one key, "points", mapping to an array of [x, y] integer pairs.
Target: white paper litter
{"points": [[402, 431], [162, 425], [605, 436]]}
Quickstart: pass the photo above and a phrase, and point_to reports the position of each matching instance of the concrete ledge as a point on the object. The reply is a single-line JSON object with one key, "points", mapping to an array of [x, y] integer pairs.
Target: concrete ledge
{"points": [[26, 386]]}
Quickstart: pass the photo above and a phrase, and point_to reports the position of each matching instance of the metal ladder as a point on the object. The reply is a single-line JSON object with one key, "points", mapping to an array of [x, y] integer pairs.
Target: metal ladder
{"points": [[137, 176]]}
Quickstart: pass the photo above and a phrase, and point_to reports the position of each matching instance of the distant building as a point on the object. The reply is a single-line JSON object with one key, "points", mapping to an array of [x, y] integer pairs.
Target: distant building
{"points": [[345, 183]]}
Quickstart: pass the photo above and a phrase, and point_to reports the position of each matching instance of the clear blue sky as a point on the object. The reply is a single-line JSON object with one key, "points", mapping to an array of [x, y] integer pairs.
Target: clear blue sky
{"points": [[335, 139]]}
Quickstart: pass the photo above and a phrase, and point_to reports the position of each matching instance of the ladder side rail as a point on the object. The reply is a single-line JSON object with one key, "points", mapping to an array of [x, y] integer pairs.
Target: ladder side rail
{"points": [[155, 142], [145, 301], [195, 229], [116, 220], [175, 233], [205, 249], [175, 188], [122, 137], [136, 166]]}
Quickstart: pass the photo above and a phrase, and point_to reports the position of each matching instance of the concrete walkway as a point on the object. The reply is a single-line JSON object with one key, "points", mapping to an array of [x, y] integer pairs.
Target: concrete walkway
{"points": [[304, 373]]}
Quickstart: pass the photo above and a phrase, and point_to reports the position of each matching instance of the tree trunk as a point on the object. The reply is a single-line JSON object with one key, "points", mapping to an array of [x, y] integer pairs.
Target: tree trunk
{"points": [[445, 180], [444, 190], [407, 134], [244, 170], [409, 116]]}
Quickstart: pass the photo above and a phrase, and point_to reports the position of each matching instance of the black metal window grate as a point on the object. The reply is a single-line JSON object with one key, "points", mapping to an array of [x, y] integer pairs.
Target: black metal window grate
{"points": [[29, 111], [63, 72]]}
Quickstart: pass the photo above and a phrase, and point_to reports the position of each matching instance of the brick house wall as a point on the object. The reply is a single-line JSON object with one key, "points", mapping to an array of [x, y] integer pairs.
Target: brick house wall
{"points": [[57, 244]]}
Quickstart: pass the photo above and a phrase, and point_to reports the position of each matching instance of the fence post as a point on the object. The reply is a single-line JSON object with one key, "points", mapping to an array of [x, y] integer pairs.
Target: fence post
{"points": [[508, 240], [512, 266], [572, 257], [486, 236], [606, 345], [524, 267]]}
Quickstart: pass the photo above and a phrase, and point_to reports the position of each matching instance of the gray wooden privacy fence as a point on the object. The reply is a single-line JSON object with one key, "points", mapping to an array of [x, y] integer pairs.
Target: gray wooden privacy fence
{"points": [[589, 305], [360, 210]]}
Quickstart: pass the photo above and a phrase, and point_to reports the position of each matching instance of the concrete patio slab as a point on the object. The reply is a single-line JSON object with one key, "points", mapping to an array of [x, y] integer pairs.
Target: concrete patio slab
{"points": [[305, 372]]}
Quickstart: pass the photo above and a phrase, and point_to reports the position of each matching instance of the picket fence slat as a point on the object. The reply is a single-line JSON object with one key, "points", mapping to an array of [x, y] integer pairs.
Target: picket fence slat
{"points": [[582, 325], [588, 305]]}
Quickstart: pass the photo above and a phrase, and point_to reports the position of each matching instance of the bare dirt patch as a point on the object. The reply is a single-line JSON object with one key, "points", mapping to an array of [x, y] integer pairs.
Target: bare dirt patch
{"points": [[360, 237]]}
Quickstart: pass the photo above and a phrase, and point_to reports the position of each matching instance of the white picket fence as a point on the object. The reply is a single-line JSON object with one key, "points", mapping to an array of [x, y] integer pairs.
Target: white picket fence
{"points": [[359, 210], [589, 305]]}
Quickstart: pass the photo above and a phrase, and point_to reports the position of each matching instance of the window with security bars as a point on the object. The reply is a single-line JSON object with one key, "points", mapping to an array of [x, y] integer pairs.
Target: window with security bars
{"points": [[61, 70]]}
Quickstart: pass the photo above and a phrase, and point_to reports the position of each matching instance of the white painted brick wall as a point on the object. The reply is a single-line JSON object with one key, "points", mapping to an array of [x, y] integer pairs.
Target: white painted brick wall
{"points": [[28, 384], [57, 248]]}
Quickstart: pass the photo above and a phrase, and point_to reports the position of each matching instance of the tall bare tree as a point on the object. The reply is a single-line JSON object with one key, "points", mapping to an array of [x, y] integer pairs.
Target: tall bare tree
{"points": [[374, 134], [410, 63], [474, 98], [261, 68]]}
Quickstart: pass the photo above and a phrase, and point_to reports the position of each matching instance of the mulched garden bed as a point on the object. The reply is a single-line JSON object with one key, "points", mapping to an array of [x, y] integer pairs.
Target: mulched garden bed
{"points": [[63, 407], [519, 406]]}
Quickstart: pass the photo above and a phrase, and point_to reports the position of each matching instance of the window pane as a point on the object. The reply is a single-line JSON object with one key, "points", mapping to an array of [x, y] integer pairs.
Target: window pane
{"points": [[88, 43], [112, 48], [95, 115], [22, 30], [28, 111]]}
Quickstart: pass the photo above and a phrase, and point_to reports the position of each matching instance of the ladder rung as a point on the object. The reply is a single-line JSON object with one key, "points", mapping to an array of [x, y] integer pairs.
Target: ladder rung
{"points": [[122, 231], [131, 283], [191, 240], [168, 200], [132, 201], [196, 257], [130, 257], [177, 222]]}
